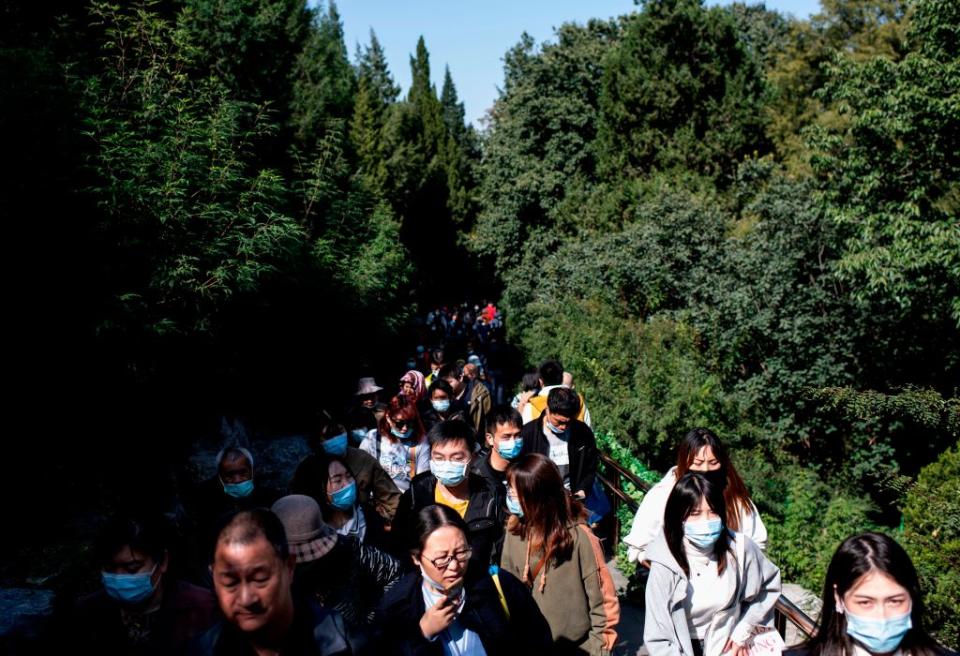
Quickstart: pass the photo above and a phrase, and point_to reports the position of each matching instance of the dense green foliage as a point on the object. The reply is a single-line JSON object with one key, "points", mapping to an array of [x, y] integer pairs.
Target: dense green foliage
{"points": [[730, 219], [931, 518]]}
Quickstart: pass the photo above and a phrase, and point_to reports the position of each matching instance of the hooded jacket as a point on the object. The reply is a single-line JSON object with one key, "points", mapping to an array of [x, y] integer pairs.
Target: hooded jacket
{"points": [[665, 630]]}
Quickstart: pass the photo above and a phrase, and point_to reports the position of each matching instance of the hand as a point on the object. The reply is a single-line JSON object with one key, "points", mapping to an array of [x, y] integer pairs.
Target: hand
{"points": [[735, 649], [645, 563], [439, 617]]}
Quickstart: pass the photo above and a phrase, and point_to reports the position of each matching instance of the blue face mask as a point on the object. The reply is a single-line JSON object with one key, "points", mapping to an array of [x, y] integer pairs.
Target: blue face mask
{"points": [[553, 429], [510, 449], [336, 446], [441, 406], [703, 534], [513, 505], [403, 435], [239, 490], [345, 497], [358, 434], [129, 588], [878, 636], [448, 472]]}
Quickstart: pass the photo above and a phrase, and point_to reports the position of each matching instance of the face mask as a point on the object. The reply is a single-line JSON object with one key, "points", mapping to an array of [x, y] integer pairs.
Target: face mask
{"points": [[510, 449], [441, 406], [703, 534], [403, 435], [718, 477], [358, 434], [411, 364], [239, 490], [553, 429], [438, 588], [513, 505], [449, 473], [129, 588], [336, 446], [345, 497], [878, 636]]}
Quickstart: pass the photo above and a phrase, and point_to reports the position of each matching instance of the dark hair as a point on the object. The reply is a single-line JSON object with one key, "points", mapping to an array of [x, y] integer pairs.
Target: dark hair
{"points": [[563, 401], [245, 526], [234, 453], [437, 356], [450, 430], [548, 510], [530, 382], [433, 517], [323, 475], [401, 406], [857, 556], [146, 533], [502, 414], [442, 385], [685, 497], [452, 370], [735, 494], [551, 373]]}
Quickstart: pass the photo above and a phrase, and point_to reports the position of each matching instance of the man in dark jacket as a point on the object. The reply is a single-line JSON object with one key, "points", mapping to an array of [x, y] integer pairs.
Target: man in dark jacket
{"points": [[451, 483], [471, 394], [252, 577], [504, 445], [566, 440]]}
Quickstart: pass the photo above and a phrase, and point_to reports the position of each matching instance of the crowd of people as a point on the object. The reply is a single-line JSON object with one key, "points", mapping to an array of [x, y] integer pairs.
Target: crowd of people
{"points": [[431, 519]]}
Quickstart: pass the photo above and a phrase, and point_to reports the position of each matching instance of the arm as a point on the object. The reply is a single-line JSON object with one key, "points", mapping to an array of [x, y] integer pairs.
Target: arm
{"points": [[762, 582], [527, 623], [757, 532], [601, 595], [382, 569], [647, 522], [386, 494], [659, 633]]}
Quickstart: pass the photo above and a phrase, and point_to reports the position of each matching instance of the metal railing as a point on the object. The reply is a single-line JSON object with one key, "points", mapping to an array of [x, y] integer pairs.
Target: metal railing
{"points": [[784, 611]]}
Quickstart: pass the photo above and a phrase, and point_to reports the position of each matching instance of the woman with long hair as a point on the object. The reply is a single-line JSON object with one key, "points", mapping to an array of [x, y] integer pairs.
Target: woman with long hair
{"points": [[447, 605], [549, 547], [700, 451], [871, 603], [399, 442], [709, 588]]}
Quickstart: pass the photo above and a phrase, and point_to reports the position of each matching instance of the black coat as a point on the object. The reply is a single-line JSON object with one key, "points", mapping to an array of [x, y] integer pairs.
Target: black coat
{"points": [[581, 447], [484, 517], [525, 632]]}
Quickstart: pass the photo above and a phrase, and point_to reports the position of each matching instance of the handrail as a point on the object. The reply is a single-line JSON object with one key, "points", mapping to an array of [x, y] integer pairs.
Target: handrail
{"points": [[784, 610]]}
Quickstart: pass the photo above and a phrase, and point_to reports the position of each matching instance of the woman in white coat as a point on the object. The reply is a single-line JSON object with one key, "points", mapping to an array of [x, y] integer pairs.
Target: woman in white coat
{"points": [[700, 451], [710, 589]]}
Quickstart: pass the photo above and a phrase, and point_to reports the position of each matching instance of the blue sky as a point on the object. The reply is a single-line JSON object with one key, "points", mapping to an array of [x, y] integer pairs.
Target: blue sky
{"points": [[472, 37]]}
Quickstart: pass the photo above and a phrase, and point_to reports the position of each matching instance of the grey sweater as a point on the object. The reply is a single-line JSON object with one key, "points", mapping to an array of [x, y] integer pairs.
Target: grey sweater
{"points": [[665, 630]]}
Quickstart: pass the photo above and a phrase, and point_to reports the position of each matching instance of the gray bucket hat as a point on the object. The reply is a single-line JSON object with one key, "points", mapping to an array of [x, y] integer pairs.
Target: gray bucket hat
{"points": [[367, 386], [309, 537]]}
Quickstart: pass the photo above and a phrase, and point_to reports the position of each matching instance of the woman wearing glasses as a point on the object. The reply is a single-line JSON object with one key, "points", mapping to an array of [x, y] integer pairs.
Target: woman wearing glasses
{"points": [[399, 443], [447, 607], [550, 549]]}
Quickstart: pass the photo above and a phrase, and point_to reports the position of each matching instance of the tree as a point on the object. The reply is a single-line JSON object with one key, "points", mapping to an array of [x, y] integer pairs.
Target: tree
{"points": [[681, 90], [324, 83]]}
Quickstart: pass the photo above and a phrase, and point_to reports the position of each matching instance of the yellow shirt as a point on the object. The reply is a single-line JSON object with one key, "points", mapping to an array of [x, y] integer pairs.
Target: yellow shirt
{"points": [[443, 499]]}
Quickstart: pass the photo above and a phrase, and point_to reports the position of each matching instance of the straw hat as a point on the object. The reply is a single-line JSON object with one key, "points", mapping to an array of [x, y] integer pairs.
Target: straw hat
{"points": [[309, 537]]}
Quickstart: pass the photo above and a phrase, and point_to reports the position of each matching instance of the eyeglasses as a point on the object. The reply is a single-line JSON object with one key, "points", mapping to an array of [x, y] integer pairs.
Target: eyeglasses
{"points": [[401, 423], [443, 562]]}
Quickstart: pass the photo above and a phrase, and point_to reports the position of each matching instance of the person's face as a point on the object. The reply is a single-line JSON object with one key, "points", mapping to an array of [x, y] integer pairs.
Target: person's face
{"points": [[455, 383], [447, 542], [235, 471], [501, 433], [877, 596], [702, 513], [439, 395], [252, 584], [406, 387], [451, 450], [560, 421], [134, 561], [378, 414], [368, 400], [337, 477], [399, 423], [705, 460]]}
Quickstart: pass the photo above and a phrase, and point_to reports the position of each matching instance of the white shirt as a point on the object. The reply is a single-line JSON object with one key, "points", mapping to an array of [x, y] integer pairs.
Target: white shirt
{"points": [[456, 639], [559, 453], [707, 590], [395, 457]]}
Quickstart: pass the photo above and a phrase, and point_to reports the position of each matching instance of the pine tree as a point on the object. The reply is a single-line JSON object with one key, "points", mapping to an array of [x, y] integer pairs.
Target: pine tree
{"points": [[324, 84]]}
